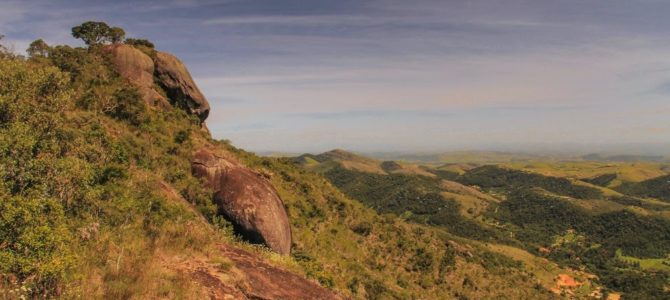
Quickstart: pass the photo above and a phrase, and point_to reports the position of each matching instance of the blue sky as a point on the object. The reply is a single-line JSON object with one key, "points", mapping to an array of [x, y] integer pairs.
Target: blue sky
{"points": [[388, 75]]}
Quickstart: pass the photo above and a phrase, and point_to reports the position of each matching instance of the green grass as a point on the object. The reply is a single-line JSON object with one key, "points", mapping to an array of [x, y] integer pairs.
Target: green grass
{"points": [[654, 264]]}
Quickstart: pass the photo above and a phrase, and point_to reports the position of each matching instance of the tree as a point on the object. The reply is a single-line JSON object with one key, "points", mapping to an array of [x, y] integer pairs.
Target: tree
{"points": [[3, 50], [96, 33], [140, 42], [116, 35], [38, 48]]}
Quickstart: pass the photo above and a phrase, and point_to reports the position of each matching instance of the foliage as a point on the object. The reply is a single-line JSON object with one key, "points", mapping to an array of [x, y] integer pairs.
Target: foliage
{"points": [[38, 48], [538, 218], [32, 228], [658, 187], [95, 33], [129, 106], [412, 196], [83, 164], [602, 180], [494, 177], [139, 43]]}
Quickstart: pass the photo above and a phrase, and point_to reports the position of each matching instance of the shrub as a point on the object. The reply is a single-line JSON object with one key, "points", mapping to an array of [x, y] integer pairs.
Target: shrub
{"points": [[129, 106]]}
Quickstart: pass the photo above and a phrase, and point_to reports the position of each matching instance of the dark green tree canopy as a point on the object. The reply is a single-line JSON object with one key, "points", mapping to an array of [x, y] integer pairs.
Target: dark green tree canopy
{"points": [[140, 42], [96, 33], [38, 48], [116, 35]]}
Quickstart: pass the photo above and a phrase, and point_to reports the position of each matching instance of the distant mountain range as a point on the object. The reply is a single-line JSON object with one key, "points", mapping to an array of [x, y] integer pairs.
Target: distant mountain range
{"points": [[492, 157]]}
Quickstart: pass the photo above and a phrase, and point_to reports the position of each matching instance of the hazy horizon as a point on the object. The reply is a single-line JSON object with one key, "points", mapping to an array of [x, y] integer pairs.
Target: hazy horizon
{"points": [[560, 150], [426, 76]]}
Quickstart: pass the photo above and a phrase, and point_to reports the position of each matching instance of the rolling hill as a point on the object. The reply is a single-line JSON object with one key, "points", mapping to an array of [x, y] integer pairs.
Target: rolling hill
{"points": [[576, 224]]}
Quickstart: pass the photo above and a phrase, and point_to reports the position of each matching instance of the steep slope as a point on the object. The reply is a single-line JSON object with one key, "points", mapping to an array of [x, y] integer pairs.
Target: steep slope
{"points": [[97, 193]]}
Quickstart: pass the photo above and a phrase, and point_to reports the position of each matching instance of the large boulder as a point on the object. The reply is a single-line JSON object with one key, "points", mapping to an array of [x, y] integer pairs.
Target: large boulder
{"points": [[245, 198], [177, 82], [138, 68]]}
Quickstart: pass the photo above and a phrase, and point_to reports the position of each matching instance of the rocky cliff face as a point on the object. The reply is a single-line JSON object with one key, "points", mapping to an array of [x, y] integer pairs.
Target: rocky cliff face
{"points": [[175, 79], [245, 198], [138, 69]]}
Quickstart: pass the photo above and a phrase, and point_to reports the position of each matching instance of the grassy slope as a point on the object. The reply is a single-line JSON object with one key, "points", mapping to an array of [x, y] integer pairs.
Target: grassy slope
{"points": [[352, 248]]}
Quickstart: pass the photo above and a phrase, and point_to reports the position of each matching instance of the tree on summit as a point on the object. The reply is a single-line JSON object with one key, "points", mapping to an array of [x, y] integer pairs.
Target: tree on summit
{"points": [[116, 35], [96, 33]]}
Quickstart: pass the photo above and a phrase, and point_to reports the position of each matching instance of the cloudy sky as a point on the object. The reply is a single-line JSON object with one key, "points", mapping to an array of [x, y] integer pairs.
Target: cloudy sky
{"points": [[387, 75]]}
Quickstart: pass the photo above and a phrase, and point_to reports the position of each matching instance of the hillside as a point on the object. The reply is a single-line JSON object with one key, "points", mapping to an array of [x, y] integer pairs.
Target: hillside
{"points": [[622, 236], [113, 188]]}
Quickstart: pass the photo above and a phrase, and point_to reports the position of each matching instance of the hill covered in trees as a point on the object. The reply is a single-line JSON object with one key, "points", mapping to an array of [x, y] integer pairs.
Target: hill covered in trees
{"points": [[622, 236]]}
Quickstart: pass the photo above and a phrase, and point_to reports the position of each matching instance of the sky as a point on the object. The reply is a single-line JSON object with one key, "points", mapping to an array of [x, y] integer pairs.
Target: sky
{"points": [[403, 76]]}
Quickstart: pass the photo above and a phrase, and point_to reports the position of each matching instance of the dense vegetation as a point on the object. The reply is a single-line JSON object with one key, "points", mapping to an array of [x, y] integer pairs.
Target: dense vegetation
{"points": [[494, 177], [539, 218], [84, 163], [602, 180], [536, 212], [413, 197], [658, 187]]}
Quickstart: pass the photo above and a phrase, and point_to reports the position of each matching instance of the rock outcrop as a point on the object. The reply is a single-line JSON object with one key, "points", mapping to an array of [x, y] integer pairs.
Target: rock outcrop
{"points": [[249, 276], [263, 281], [175, 79], [164, 69], [138, 69], [245, 198]]}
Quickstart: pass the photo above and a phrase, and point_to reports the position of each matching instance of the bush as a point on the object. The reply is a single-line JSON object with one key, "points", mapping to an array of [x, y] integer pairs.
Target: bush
{"points": [[129, 106], [140, 43], [34, 239], [363, 228]]}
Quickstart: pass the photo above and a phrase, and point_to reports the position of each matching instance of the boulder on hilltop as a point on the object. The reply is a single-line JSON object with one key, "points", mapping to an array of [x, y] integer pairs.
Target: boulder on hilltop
{"points": [[177, 82], [245, 198], [165, 70], [138, 68]]}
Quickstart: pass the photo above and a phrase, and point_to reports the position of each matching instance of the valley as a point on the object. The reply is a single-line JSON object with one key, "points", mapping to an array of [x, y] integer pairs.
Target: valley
{"points": [[530, 211]]}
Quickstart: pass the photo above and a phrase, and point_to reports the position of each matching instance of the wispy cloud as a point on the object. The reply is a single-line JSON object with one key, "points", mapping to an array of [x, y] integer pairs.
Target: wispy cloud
{"points": [[370, 114]]}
